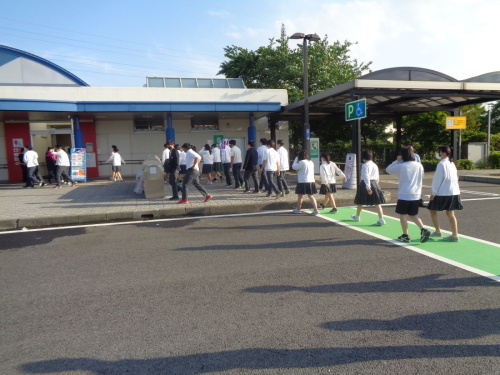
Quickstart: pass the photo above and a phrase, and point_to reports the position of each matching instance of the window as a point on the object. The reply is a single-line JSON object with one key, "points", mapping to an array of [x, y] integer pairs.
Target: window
{"points": [[205, 83], [155, 82], [173, 82], [149, 125], [204, 124]]}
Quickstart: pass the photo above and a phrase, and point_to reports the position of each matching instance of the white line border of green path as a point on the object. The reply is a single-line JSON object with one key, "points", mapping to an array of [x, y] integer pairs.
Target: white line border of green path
{"points": [[416, 249]]}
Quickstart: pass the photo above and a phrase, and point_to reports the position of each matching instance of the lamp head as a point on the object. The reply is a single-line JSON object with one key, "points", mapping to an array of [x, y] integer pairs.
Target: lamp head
{"points": [[298, 36]]}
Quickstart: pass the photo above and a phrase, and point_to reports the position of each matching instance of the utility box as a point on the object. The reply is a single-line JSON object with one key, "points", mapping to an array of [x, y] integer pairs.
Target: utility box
{"points": [[476, 151], [153, 178]]}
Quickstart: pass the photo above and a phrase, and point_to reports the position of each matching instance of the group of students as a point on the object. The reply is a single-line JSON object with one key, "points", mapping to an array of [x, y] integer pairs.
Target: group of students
{"points": [[445, 192], [57, 162]]}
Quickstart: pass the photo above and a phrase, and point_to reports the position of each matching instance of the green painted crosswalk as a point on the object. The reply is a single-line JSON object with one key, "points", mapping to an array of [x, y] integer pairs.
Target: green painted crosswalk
{"points": [[480, 255]]}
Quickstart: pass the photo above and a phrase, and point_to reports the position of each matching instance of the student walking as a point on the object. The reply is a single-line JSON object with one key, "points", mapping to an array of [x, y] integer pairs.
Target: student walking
{"points": [[208, 162], [50, 162], [62, 167], [192, 174], [261, 152], [284, 167], [226, 160], [30, 159], [306, 182], [173, 170], [165, 157], [236, 162], [410, 174], [327, 170], [445, 194], [250, 167], [217, 162], [116, 163], [271, 167], [369, 192]]}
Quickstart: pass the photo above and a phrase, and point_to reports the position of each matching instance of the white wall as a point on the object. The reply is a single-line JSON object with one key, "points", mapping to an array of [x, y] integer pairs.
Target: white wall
{"points": [[138, 145]]}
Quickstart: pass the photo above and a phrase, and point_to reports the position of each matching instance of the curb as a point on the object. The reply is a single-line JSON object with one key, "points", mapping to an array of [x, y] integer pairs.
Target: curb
{"points": [[485, 179], [197, 209]]}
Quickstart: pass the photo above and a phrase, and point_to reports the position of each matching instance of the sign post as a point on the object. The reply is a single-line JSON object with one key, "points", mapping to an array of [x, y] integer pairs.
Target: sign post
{"points": [[314, 153], [356, 110]]}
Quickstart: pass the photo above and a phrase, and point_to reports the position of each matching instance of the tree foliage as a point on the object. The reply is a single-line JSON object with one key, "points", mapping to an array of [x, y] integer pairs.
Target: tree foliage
{"points": [[279, 65], [426, 131]]}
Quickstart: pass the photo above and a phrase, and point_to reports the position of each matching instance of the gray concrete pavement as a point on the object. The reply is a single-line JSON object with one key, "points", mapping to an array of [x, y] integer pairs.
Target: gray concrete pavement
{"points": [[102, 200], [265, 294]]}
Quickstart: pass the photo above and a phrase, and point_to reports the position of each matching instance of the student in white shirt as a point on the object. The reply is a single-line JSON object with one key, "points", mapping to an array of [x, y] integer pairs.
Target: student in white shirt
{"points": [[327, 170], [62, 166], [306, 184], [271, 167], [116, 161], [30, 159], [192, 174], [226, 161], [410, 175], [165, 157], [445, 194], [236, 161], [261, 151], [208, 162], [284, 167], [369, 193], [217, 162]]}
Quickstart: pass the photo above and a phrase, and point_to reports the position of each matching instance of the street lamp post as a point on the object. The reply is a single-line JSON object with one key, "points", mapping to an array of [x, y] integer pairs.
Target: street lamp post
{"points": [[488, 143], [306, 130]]}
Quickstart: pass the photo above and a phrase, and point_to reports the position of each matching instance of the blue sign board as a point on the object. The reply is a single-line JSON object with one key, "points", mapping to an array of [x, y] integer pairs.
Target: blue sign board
{"points": [[78, 159]]}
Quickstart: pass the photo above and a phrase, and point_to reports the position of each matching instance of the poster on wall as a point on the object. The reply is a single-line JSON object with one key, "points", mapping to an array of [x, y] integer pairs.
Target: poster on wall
{"points": [[78, 159]]}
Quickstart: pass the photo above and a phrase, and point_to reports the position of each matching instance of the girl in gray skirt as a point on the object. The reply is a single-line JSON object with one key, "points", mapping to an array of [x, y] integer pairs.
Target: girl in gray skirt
{"points": [[369, 193]]}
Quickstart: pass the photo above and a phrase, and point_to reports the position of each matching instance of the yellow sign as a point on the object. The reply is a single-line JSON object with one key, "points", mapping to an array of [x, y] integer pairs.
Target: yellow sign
{"points": [[456, 122]]}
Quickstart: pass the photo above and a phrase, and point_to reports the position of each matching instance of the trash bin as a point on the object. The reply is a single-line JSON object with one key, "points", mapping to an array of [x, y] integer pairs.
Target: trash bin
{"points": [[153, 178]]}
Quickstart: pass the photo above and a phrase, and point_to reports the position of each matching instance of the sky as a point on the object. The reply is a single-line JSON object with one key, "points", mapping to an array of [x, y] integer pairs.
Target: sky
{"points": [[118, 43]]}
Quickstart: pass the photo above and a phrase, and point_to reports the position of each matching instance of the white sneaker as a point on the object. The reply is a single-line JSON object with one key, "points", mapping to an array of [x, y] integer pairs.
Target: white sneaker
{"points": [[380, 222], [355, 217]]}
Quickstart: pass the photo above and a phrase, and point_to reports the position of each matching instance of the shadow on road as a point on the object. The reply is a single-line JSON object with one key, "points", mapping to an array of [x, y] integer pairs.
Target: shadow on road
{"points": [[446, 325], [420, 284], [258, 359]]}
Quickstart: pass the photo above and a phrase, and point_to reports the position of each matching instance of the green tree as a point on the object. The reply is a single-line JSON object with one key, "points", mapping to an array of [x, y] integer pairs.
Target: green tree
{"points": [[280, 66], [426, 131]]}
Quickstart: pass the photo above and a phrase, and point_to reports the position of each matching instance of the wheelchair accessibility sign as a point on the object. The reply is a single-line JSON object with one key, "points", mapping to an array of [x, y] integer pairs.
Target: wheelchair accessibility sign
{"points": [[355, 110]]}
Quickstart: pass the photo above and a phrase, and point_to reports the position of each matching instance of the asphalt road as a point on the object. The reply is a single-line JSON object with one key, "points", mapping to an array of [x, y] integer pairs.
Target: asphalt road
{"points": [[263, 294]]}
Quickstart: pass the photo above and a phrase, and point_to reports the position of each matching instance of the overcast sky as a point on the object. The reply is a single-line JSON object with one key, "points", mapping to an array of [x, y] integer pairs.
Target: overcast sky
{"points": [[120, 42]]}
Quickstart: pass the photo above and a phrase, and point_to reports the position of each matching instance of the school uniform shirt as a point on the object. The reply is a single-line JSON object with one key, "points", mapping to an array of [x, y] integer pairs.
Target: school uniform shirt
{"points": [[62, 158], [236, 152], [328, 172], [190, 157], [207, 157], [216, 155], [445, 180], [30, 158], [369, 172], [410, 176], [261, 151], [165, 155], [305, 170], [115, 159], [284, 163], [182, 157], [272, 158]]}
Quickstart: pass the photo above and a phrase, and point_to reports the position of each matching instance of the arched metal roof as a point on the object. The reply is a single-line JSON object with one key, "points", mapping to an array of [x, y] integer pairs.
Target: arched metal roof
{"points": [[9, 54], [409, 74], [493, 77]]}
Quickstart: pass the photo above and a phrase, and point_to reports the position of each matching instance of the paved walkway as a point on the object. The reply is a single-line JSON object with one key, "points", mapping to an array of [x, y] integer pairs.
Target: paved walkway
{"points": [[101, 200]]}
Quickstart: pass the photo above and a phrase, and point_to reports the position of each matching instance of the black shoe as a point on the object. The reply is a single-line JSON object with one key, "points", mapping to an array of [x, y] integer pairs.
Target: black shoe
{"points": [[268, 195], [404, 238], [255, 192], [424, 235], [214, 179], [322, 206], [173, 198]]}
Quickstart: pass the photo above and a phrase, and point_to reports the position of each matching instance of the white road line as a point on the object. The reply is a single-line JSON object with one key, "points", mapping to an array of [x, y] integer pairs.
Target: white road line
{"points": [[420, 251]]}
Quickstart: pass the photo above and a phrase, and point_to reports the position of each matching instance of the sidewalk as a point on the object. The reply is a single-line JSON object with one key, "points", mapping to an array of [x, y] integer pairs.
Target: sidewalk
{"points": [[101, 200]]}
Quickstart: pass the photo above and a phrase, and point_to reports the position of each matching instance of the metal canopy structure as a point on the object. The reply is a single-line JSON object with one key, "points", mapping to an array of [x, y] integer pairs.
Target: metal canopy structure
{"points": [[394, 92]]}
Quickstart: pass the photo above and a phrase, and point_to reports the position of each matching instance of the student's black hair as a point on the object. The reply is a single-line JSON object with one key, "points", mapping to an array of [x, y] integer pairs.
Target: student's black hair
{"points": [[326, 157], [271, 143], [207, 147], [407, 154], [251, 143], [367, 155], [446, 150], [214, 145], [263, 141], [303, 155], [232, 142], [280, 142], [186, 146]]}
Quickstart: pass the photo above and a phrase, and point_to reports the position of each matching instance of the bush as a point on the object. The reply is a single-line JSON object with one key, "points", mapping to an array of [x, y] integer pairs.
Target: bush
{"points": [[465, 164], [495, 142], [494, 160], [430, 165]]}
